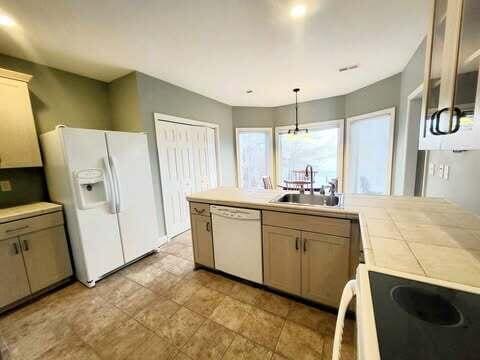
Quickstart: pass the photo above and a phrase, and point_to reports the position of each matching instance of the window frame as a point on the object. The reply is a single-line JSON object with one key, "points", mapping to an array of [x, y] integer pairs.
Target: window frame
{"points": [[320, 125], [352, 119], [270, 156]]}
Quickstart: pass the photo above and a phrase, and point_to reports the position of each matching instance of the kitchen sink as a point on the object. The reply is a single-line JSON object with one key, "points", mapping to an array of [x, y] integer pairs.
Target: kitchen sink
{"points": [[307, 199]]}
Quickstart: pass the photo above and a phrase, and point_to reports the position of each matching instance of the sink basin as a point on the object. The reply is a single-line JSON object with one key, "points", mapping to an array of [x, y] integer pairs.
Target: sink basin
{"points": [[307, 199], [427, 306]]}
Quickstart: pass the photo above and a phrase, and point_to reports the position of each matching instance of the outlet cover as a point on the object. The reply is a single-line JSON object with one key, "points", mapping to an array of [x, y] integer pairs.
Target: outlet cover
{"points": [[5, 185], [446, 172], [431, 169], [440, 171]]}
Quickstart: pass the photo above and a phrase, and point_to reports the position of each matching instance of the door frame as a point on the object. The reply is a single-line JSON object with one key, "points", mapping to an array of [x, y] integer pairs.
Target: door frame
{"points": [[414, 95], [337, 123], [271, 156], [350, 120], [159, 117]]}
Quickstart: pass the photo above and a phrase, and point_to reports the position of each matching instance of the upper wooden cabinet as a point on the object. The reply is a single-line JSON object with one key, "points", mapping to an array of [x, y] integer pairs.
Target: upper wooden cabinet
{"points": [[18, 137], [451, 99]]}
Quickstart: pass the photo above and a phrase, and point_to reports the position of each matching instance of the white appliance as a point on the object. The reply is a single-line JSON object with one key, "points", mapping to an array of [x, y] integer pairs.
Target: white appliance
{"points": [[366, 336], [237, 242], [103, 180]]}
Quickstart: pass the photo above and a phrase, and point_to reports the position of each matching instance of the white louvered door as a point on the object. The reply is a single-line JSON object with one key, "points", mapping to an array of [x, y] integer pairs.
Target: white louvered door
{"points": [[186, 160]]}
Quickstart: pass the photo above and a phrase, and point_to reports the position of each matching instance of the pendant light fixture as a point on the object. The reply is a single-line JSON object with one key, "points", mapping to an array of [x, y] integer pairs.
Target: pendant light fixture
{"points": [[296, 130]]}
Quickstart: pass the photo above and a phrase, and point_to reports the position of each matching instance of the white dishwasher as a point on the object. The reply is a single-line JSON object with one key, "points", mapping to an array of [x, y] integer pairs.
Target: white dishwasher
{"points": [[237, 242]]}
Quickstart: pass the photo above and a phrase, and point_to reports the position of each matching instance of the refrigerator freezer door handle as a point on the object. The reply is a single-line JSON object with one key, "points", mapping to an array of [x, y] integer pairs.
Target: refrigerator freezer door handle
{"points": [[116, 178], [111, 187]]}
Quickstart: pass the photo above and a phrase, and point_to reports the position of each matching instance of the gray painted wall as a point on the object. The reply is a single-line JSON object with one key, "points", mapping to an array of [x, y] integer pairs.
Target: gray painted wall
{"points": [[412, 78], [125, 104], [247, 117], [462, 187], [381, 95], [332, 108], [57, 97], [157, 96]]}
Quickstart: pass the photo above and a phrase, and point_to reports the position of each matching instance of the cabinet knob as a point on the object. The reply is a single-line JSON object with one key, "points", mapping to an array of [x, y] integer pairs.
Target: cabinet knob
{"points": [[305, 245], [296, 243], [208, 226]]}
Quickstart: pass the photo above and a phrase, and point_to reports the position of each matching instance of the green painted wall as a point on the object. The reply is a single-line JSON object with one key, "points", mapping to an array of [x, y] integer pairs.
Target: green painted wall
{"points": [[125, 103], [57, 97], [136, 97]]}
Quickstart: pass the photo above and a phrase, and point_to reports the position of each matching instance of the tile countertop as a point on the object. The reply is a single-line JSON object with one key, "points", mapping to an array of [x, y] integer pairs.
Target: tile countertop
{"points": [[28, 210], [429, 237]]}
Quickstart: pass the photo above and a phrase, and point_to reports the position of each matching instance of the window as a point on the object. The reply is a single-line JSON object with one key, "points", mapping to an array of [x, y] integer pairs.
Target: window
{"points": [[369, 151], [322, 148], [254, 156]]}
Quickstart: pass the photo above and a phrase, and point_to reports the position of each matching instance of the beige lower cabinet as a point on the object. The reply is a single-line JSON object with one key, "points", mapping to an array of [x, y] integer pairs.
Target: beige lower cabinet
{"points": [[33, 256], [13, 277], [46, 257], [202, 240], [325, 267], [282, 259], [312, 265]]}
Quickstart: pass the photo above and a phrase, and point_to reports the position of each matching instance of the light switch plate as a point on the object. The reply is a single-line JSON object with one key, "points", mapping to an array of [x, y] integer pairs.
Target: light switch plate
{"points": [[431, 169], [446, 172], [440, 171], [5, 185]]}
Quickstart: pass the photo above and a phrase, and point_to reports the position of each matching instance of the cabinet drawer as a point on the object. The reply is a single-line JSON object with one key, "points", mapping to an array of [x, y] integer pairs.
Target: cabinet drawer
{"points": [[317, 224], [200, 209], [25, 226]]}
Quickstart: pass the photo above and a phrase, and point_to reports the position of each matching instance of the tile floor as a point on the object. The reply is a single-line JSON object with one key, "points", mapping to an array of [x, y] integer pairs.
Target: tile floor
{"points": [[160, 308]]}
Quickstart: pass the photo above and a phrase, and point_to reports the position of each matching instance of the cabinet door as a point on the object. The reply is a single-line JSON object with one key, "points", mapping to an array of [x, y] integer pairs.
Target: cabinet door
{"points": [[46, 257], [282, 259], [13, 278], [325, 267], [467, 90], [18, 137], [202, 240]]}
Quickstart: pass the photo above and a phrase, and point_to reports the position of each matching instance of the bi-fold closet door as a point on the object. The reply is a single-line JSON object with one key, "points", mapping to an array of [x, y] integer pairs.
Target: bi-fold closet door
{"points": [[187, 156]]}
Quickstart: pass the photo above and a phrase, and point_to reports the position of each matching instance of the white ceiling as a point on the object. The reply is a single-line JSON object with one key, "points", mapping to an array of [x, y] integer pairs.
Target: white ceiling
{"points": [[221, 48]]}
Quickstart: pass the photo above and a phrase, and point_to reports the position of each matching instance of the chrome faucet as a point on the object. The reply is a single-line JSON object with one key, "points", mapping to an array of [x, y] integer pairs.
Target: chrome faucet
{"points": [[309, 167]]}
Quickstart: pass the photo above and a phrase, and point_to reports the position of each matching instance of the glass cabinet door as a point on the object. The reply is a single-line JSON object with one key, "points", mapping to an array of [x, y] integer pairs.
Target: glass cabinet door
{"points": [[467, 93], [434, 73]]}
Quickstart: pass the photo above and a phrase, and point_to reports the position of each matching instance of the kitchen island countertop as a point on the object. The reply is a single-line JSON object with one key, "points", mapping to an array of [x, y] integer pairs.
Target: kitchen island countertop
{"points": [[427, 237]]}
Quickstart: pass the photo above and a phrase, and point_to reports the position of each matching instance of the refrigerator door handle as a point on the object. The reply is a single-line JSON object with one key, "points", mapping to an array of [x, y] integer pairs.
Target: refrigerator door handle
{"points": [[116, 178], [111, 187]]}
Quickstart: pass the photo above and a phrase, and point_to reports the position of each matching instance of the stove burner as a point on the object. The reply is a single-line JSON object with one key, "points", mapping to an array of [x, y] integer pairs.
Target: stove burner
{"points": [[426, 305]]}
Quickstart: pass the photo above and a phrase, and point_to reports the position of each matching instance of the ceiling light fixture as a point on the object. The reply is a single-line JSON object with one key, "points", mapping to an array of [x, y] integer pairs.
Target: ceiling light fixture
{"points": [[296, 130], [6, 21], [298, 10]]}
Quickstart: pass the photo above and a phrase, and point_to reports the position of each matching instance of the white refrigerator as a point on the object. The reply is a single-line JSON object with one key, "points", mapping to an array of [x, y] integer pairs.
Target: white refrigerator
{"points": [[103, 180]]}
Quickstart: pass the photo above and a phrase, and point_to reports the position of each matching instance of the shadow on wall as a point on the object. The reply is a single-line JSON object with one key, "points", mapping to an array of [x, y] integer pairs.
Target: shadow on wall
{"points": [[28, 185]]}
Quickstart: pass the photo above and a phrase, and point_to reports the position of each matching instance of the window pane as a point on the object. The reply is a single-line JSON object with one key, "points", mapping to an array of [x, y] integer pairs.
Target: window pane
{"points": [[318, 148], [369, 155], [254, 155]]}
